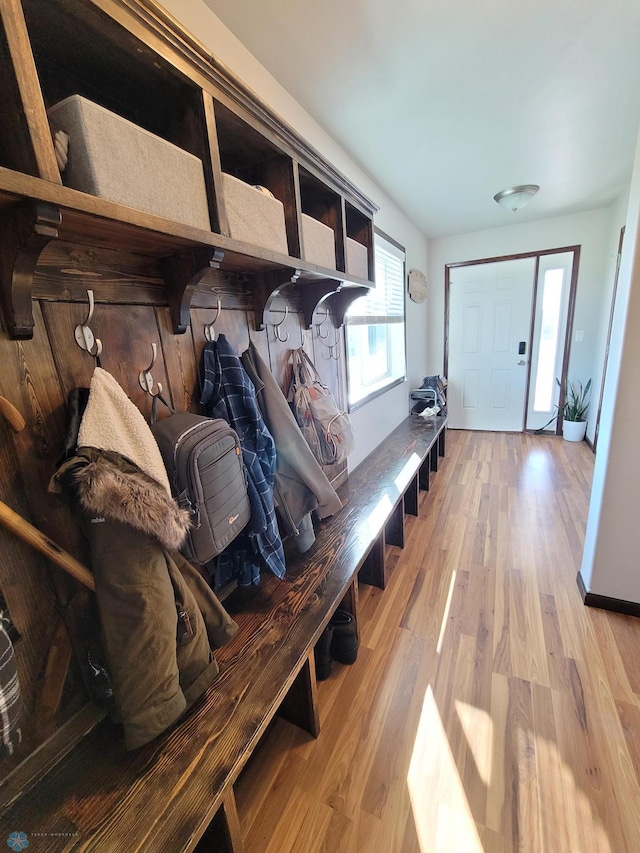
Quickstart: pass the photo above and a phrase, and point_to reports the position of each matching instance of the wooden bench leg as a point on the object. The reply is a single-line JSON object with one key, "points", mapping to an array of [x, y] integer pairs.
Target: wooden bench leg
{"points": [[300, 705], [350, 603], [223, 833], [424, 474], [442, 441], [434, 457], [394, 528], [411, 497], [373, 568]]}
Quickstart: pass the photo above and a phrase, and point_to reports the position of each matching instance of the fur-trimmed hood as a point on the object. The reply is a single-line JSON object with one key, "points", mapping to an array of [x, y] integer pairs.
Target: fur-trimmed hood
{"points": [[107, 485], [116, 470], [112, 422]]}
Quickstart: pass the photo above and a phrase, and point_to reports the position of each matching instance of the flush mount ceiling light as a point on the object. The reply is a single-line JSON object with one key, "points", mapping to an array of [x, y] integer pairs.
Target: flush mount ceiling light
{"points": [[516, 197]]}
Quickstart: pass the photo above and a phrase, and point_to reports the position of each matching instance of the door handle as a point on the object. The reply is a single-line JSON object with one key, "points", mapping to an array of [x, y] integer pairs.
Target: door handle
{"points": [[521, 361]]}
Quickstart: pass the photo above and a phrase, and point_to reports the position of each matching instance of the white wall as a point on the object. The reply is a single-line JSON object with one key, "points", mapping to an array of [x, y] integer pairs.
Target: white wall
{"points": [[590, 230], [611, 562], [616, 221], [374, 421]]}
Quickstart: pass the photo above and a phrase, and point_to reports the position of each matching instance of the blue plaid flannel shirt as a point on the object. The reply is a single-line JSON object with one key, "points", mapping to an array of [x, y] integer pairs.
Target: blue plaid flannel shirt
{"points": [[228, 393]]}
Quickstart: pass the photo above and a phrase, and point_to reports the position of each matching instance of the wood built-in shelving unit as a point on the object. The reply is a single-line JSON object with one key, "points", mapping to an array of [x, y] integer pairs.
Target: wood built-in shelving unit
{"points": [[156, 283], [132, 58]]}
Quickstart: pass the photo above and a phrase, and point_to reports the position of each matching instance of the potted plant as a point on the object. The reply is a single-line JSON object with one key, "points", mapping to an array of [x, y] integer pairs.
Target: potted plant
{"points": [[574, 410]]}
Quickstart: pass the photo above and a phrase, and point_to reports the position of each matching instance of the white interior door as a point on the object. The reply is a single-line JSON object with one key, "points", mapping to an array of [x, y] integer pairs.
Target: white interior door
{"points": [[489, 328]]}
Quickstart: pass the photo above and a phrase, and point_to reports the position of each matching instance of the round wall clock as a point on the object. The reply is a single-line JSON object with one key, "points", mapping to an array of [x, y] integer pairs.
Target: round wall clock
{"points": [[417, 285]]}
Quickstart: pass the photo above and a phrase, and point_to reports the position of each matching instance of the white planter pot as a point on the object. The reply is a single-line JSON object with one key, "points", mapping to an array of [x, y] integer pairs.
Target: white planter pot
{"points": [[574, 430]]}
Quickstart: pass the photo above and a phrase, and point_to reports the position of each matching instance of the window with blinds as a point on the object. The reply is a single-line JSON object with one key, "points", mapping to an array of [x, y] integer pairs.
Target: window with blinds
{"points": [[375, 328]]}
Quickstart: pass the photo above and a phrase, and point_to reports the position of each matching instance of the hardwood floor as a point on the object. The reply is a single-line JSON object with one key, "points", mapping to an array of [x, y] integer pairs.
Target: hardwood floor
{"points": [[489, 710]]}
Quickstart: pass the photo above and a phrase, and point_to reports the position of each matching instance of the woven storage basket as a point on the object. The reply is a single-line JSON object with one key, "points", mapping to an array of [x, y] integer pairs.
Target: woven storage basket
{"points": [[115, 159]]}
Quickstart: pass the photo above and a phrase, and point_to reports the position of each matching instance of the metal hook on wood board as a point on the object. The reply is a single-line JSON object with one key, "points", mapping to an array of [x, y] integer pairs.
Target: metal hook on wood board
{"points": [[320, 325], [333, 347], [209, 331], [83, 334], [276, 326], [146, 379]]}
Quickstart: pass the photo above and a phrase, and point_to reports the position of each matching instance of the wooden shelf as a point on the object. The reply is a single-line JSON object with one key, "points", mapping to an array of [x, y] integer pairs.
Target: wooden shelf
{"points": [[137, 61], [83, 219]]}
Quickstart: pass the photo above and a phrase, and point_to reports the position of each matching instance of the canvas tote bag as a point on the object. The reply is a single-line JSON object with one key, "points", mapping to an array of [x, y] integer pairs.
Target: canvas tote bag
{"points": [[328, 430]]}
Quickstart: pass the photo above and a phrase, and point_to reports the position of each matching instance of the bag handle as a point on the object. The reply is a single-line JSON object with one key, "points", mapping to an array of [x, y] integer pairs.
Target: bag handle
{"points": [[304, 369], [311, 367], [299, 377], [305, 374], [154, 407]]}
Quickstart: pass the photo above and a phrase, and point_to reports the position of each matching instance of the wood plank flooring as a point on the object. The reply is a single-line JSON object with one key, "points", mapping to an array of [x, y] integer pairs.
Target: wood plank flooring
{"points": [[489, 710]]}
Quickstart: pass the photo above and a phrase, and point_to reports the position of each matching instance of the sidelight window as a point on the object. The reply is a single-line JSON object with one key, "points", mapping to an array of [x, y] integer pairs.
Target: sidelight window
{"points": [[545, 367]]}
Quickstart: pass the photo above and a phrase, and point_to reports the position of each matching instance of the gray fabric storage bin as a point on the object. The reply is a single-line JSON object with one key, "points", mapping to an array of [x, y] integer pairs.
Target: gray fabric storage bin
{"points": [[115, 159], [319, 242], [253, 216], [357, 259]]}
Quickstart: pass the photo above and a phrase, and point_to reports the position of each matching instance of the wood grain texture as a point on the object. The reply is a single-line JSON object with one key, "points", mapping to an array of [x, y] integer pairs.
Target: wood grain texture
{"points": [[489, 710], [182, 778], [96, 48], [131, 312], [40, 147], [34, 590]]}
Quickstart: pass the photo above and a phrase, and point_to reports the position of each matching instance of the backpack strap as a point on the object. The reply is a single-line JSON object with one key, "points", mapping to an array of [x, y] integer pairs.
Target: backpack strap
{"points": [[154, 407]]}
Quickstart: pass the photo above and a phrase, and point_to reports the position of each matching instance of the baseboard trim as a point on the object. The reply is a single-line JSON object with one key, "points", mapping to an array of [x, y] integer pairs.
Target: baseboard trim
{"points": [[605, 602]]}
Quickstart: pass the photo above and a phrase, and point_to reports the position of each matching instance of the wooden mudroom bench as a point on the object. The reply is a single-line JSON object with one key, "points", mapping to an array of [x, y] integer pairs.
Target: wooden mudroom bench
{"points": [[176, 794]]}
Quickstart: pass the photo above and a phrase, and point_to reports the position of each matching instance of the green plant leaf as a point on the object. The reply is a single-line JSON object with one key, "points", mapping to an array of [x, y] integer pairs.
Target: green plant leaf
{"points": [[576, 400]]}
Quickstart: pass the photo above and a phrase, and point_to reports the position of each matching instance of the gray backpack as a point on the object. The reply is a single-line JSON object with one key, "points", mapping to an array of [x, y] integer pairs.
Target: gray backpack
{"points": [[204, 464]]}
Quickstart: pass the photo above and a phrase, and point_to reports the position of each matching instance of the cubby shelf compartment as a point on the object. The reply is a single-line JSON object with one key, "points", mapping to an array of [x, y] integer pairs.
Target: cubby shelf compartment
{"points": [[325, 205], [359, 228], [251, 157], [135, 60]]}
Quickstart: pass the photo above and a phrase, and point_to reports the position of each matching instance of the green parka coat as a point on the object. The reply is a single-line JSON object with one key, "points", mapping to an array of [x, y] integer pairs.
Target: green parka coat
{"points": [[159, 618]]}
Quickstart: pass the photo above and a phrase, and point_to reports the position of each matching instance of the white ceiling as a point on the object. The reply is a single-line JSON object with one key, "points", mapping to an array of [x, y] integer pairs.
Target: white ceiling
{"points": [[446, 102]]}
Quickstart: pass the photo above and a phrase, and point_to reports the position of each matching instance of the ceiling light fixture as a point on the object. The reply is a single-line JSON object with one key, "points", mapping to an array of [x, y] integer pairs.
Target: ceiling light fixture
{"points": [[516, 197]]}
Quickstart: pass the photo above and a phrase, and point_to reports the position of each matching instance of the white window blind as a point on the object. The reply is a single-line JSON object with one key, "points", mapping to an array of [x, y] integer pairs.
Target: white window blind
{"points": [[385, 302], [375, 328]]}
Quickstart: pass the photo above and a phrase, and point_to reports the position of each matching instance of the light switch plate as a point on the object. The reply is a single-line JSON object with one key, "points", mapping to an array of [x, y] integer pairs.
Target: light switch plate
{"points": [[579, 335]]}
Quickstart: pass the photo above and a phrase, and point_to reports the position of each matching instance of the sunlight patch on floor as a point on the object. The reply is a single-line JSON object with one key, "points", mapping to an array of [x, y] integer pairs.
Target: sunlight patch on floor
{"points": [[441, 812], [478, 730], [566, 804], [445, 615]]}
